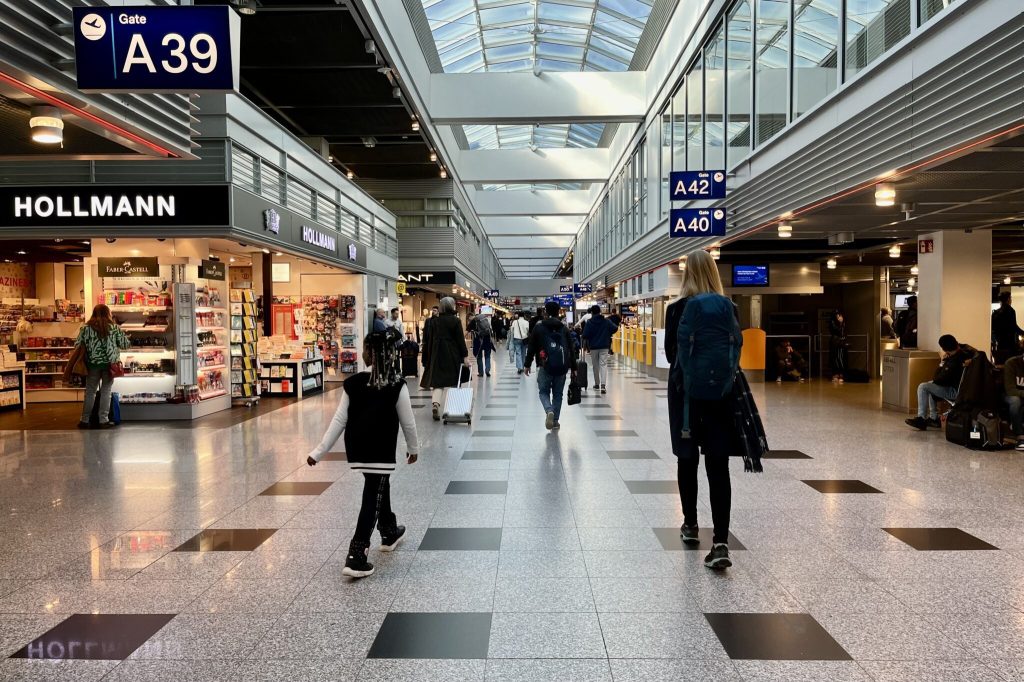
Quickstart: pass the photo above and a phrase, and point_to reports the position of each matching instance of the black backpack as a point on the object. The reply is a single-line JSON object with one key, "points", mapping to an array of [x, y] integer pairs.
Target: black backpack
{"points": [[556, 354]]}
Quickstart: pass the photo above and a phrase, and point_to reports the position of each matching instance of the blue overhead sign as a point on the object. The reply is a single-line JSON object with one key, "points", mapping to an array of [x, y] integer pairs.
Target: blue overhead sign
{"points": [[156, 49], [584, 288], [687, 185], [565, 288], [491, 293], [696, 222], [564, 300]]}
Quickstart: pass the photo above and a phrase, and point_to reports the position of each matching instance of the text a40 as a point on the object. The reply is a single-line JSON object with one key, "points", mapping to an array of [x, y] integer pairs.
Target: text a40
{"points": [[202, 48]]}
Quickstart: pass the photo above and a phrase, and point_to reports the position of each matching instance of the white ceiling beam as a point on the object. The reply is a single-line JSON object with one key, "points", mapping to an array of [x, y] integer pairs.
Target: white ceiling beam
{"points": [[524, 166], [539, 202], [546, 242], [552, 97], [525, 225]]}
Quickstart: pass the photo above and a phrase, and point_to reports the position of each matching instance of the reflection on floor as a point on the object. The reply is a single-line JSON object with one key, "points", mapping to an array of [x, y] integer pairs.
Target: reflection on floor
{"points": [[210, 552]]}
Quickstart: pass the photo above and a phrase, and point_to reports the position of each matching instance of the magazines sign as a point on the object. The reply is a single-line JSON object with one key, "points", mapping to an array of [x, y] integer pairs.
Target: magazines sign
{"points": [[129, 267]]}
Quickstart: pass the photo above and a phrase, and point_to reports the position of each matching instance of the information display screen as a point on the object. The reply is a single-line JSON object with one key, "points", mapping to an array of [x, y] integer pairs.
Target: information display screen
{"points": [[750, 275]]}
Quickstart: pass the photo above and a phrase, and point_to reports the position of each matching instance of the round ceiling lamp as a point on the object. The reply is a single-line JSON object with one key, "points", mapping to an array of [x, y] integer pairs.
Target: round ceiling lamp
{"points": [[895, 251], [831, 263], [885, 194], [785, 230], [46, 125]]}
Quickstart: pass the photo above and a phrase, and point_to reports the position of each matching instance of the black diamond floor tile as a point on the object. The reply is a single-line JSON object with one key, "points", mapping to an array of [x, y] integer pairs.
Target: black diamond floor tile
{"points": [[464, 539], [433, 635], [653, 487], [227, 540], [671, 540], [939, 539], [93, 636], [842, 486], [297, 488], [775, 637], [786, 454], [633, 454], [477, 488]]}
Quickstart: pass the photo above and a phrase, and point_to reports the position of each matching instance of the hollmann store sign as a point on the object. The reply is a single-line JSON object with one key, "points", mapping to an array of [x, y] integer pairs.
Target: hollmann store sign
{"points": [[121, 206]]}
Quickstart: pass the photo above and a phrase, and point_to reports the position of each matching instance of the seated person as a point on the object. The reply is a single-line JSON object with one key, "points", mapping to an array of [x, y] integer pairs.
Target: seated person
{"points": [[944, 385], [1013, 383], [789, 364]]}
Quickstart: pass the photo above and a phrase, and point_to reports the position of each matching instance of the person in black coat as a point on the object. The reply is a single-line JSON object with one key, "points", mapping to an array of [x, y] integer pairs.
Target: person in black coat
{"points": [[444, 354], [837, 345], [1005, 332]]}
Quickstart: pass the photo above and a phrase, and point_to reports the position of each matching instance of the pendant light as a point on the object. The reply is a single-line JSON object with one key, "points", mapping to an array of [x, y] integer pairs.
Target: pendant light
{"points": [[914, 270], [46, 125], [894, 251], [831, 263], [885, 194], [785, 230]]}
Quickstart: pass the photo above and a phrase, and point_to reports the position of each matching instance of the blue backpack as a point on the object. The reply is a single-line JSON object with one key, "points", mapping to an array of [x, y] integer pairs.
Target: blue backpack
{"points": [[556, 355], [708, 355]]}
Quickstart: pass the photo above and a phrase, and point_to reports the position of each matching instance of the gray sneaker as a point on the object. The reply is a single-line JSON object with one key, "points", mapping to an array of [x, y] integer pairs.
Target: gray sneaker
{"points": [[718, 557], [689, 534], [549, 421]]}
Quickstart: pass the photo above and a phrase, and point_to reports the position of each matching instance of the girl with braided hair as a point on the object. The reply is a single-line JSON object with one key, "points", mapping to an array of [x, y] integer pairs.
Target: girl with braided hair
{"points": [[373, 405]]}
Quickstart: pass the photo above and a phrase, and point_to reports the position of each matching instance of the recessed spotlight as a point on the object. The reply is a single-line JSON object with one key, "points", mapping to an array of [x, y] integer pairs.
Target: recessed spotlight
{"points": [[21, 253], [433, 157], [350, 175], [785, 230], [415, 126], [278, 253], [444, 173], [265, 250], [1007, 280], [231, 260]]}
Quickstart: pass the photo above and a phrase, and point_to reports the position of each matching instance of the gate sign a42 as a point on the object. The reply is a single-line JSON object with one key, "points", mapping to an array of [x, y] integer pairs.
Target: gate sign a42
{"points": [[688, 185], [156, 49]]}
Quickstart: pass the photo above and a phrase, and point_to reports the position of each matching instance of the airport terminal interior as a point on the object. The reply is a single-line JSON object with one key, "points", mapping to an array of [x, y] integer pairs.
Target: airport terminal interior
{"points": [[598, 340]]}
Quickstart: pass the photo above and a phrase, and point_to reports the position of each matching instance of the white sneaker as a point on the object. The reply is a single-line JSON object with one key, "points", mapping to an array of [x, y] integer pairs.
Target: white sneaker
{"points": [[549, 420], [1020, 444]]}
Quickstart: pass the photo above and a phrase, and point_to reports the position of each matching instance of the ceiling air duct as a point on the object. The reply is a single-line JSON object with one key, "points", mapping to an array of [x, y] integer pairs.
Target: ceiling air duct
{"points": [[840, 238]]}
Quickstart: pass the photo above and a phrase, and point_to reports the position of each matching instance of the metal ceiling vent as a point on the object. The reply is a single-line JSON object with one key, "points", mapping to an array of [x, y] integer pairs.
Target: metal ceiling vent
{"points": [[840, 238]]}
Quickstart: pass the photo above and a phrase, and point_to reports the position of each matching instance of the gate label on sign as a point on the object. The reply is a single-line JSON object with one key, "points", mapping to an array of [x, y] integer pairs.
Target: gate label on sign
{"points": [[687, 185], [696, 222]]}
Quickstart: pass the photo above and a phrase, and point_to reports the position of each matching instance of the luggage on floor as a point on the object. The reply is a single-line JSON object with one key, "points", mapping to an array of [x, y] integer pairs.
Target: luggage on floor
{"points": [[464, 375], [410, 358], [458, 403], [990, 427], [574, 397], [962, 430], [581, 374]]}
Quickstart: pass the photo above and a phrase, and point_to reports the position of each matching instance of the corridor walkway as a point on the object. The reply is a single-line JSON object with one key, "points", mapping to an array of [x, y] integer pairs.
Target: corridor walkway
{"points": [[864, 552]]}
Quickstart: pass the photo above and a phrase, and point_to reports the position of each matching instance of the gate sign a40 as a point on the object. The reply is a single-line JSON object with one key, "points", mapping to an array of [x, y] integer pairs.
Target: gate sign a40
{"points": [[156, 49], [696, 222], [688, 185]]}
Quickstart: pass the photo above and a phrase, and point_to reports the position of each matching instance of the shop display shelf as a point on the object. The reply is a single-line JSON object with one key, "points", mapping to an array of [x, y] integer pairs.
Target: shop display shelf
{"points": [[146, 349], [10, 388], [51, 388], [149, 329], [43, 348], [210, 367], [212, 394], [38, 362], [147, 401], [129, 375], [210, 329], [139, 308], [43, 374], [208, 309]]}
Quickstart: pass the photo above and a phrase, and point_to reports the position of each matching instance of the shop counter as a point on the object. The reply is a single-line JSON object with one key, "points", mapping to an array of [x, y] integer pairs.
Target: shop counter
{"points": [[902, 371], [12, 389]]}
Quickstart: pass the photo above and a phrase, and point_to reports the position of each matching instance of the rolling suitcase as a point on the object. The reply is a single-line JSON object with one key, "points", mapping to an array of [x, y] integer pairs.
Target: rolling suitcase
{"points": [[410, 358], [582, 374], [458, 403]]}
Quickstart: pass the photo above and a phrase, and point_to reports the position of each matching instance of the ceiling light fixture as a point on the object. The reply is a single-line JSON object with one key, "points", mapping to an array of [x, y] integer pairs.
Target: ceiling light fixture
{"points": [[278, 253], [885, 194], [831, 263], [46, 125], [350, 175], [245, 7], [266, 250], [433, 157], [231, 260], [1007, 280], [415, 126], [715, 252], [894, 251], [914, 270], [444, 173], [785, 230], [912, 281]]}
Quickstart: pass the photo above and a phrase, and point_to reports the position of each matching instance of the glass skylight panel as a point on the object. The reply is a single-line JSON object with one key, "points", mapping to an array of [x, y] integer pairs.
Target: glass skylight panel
{"points": [[504, 14], [554, 11], [447, 10], [597, 61], [516, 50]]}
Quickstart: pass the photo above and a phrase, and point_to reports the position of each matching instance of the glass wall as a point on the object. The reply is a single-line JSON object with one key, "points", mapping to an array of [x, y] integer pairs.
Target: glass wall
{"points": [[872, 27], [695, 118], [815, 52], [665, 156], [679, 129], [714, 104], [739, 51], [771, 35], [929, 8]]}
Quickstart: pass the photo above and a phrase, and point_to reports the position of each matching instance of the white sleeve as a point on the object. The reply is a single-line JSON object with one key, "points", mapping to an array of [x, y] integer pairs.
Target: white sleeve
{"points": [[334, 430], [408, 421]]}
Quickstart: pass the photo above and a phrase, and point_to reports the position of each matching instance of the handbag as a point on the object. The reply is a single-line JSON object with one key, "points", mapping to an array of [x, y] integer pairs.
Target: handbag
{"points": [[76, 364], [116, 369], [574, 397]]}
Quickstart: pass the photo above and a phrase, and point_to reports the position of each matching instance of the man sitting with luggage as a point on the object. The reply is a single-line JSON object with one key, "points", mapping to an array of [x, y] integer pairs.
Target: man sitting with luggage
{"points": [[789, 365], [944, 385], [1013, 383]]}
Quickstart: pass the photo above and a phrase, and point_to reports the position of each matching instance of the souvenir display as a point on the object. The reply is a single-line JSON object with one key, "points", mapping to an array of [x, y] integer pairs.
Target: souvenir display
{"points": [[244, 360]]}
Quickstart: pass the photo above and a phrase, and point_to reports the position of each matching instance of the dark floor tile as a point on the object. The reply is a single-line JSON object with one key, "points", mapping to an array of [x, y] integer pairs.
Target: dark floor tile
{"points": [[645, 382], [91, 636], [653, 487], [433, 635], [467, 539], [489, 405], [334, 457], [842, 486], [227, 540], [477, 488], [633, 454], [785, 454], [615, 433], [670, 540], [596, 406], [775, 637], [938, 539], [493, 434], [604, 417], [297, 488], [497, 417], [659, 388], [486, 454]]}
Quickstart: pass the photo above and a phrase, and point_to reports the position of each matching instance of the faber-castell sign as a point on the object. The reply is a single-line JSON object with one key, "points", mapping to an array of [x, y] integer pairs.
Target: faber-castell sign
{"points": [[114, 206], [318, 238]]}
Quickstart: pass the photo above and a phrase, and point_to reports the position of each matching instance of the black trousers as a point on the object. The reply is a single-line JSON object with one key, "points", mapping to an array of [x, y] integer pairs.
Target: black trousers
{"points": [[712, 433], [375, 508]]}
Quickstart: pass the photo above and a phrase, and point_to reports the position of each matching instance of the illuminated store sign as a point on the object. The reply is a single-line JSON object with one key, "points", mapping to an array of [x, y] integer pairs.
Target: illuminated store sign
{"points": [[102, 206], [318, 238]]}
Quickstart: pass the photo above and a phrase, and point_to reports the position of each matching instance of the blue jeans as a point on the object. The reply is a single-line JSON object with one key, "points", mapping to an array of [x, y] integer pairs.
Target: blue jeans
{"points": [[1014, 404], [927, 393], [551, 387], [519, 351], [484, 354]]}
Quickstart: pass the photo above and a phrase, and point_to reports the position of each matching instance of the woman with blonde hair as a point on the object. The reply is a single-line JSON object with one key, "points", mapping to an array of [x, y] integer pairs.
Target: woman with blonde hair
{"points": [[711, 423], [103, 341]]}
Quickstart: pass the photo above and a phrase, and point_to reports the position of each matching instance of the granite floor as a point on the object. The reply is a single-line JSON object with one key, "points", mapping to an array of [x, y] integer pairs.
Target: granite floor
{"points": [[865, 551]]}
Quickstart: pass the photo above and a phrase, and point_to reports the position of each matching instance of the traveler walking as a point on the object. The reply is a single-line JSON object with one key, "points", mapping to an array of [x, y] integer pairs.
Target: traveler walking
{"points": [[373, 405], [597, 340], [1005, 332], [498, 325], [102, 342], [837, 346], [551, 345], [703, 333], [1013, 384], [520, 335], [482, 347], [945, 384], [444, 354], [536, 318]]}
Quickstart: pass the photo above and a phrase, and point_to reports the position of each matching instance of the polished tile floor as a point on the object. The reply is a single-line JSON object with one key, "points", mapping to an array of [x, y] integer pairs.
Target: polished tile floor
{"points": [[866, 551]]}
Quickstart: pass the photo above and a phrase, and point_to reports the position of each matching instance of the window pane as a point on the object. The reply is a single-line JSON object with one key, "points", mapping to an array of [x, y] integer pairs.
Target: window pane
{"points": [[666, 156], [738, 82], [714, 106], [815, 42], [694, 119], [679, 128], [929, 8], [772, 36], [872, 27]]}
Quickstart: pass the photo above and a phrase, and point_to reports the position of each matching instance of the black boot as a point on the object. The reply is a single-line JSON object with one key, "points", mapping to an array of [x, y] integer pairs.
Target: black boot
{"points": [[356, 565], [390, 536]]}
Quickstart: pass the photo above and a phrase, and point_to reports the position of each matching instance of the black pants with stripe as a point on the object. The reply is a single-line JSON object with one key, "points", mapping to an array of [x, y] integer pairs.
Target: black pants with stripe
{"points": [[376, 507]]}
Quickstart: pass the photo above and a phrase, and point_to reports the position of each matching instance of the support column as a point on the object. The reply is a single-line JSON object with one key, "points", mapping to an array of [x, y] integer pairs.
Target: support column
{"points": [[956, 289]]}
